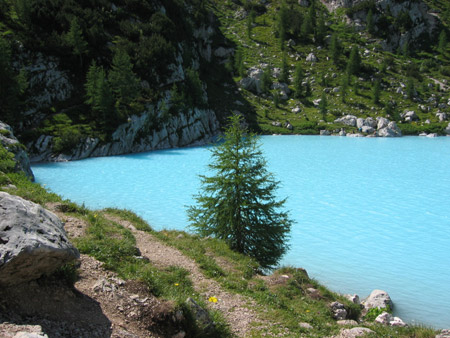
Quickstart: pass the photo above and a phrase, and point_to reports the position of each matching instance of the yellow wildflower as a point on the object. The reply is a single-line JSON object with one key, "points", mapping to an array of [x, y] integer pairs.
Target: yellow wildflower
{"points": [[176, 284], [213, 299]]}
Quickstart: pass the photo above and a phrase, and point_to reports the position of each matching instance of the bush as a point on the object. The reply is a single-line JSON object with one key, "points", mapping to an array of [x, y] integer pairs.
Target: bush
{"points": [[373, 313]]}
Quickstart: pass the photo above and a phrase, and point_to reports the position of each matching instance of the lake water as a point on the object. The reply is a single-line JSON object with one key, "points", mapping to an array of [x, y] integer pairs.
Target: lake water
{"points": [[371, 213]]}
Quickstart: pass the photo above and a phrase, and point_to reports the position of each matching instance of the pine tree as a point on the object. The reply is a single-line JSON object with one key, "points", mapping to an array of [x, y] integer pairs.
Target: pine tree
{"points": [[335, 49], [323, 106], [306, 29], [75, 40], [266, 80], [124, 82], [321, 30], [12, 86], [282, 21], [354, 61], [410, 88], [284, 76], [99, 95], [369, 22], [442, 41], [237, 204], [344, 88], [298, 80], [239, 63], [376, 90]]}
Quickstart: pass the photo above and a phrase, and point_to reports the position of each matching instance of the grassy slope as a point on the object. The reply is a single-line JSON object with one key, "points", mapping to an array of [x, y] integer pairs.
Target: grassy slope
{"points": [[264, 47]]}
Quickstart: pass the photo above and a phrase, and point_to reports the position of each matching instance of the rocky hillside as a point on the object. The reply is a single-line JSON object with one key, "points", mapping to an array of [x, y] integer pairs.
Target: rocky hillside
{"points": [[129, 76]]}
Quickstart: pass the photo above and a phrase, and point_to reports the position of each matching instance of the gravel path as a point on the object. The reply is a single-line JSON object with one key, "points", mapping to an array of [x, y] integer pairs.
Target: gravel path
{"points": [[236, 309]]}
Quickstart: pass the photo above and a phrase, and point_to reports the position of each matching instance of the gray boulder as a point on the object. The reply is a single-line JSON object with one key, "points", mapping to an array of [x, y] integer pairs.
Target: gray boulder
{"points": [[410, 116], [441, 116], [391, 130], [367, 129], [325, 132], [387, 319], [382, 122], [338, 311], [378, 299], [354, 332], [33, 241], [10, 142], [349, 120], [253, 81], [311, 58]]}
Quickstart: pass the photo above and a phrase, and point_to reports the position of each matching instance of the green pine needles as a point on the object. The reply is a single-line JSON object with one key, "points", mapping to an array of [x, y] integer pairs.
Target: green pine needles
{"points": [[237, 204]]}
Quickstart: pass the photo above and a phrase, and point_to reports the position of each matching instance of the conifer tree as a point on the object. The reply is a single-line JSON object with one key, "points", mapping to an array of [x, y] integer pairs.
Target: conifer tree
{"points": [[442, 41], [369, 22], [354, 61], [75, 40], [124, 82], [298, 80], [237, 203], [239, 63], [282, 21], [376, 90], [321, 29], [284, 76], [410, 88], [98, 94], [266, 80], [12, 86], [323, 105], [344, 88], [335, 49]]}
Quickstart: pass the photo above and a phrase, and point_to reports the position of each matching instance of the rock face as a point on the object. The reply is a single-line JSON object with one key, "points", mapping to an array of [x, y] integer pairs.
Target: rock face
{"points": [[32, 241], [378, 299], [193, 127], [10, 142]]}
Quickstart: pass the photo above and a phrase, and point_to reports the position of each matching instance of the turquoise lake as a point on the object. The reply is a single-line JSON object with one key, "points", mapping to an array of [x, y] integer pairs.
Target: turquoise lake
{"points": [[371, 213]]}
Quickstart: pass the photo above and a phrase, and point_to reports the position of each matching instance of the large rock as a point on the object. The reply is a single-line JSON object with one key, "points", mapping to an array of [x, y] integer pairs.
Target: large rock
{"points": [[338, 311], [391, 130], [10, 142], [253, 81], [382, 122], [33, 241], [410, 116], [354, 332], [349, 120], [387, 319], [378, 299]]}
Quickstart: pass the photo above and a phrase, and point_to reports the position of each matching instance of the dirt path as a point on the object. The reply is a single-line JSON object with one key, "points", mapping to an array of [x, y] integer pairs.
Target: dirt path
{"points": [[236, 309]]}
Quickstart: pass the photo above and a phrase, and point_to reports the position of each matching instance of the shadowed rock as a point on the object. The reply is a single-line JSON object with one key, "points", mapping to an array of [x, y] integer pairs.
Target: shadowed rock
{"points": [[33, 241]]}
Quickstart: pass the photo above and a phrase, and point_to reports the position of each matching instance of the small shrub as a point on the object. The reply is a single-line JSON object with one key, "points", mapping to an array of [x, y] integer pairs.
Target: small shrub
{"points": [[373, 313]]}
